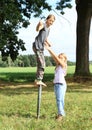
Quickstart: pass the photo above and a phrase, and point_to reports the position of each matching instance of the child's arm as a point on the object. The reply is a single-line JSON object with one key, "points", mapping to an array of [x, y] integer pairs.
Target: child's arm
{"points": [[48, 43], [54, 56], [39, 26]]}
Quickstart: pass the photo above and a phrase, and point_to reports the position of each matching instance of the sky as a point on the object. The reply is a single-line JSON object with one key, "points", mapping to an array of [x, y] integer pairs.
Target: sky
{"points": [[62, 34]]}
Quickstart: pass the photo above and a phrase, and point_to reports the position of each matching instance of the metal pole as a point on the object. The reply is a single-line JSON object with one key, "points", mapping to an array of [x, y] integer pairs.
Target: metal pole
{"points": [[39, 100]]}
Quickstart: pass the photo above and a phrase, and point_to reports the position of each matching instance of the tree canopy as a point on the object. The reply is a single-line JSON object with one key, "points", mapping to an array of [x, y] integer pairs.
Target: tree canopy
{"points": [[15, 14]]}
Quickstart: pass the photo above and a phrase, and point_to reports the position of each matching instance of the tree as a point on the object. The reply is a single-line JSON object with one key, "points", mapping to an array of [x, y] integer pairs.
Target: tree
{"points": [[26, 61], [32, 59], [84, 14], [48, 62], [15, 14]]}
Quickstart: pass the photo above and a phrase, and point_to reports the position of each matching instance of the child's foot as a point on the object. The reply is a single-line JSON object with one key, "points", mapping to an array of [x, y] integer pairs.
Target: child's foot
{"points": [[59, 117], [39, 82]]}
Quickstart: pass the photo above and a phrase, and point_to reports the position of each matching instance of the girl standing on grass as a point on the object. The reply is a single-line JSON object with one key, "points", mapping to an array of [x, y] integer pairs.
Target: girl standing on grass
{"points": [[59, 80], [38, 47]]}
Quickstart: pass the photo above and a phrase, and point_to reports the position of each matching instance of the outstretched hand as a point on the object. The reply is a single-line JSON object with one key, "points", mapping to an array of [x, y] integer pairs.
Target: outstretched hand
{"points": [[47, 45]]}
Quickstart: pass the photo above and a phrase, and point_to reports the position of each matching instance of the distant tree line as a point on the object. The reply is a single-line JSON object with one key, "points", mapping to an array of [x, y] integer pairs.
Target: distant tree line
{"points": [[27, 61]]}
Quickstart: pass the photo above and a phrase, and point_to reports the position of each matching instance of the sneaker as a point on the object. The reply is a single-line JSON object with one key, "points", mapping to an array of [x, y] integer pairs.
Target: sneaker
{"points": [[39, 82], [59, 117]]}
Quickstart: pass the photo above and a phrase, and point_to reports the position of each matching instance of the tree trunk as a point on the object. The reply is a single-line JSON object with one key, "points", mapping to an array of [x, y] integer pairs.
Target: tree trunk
{"points": [[84, 13]]}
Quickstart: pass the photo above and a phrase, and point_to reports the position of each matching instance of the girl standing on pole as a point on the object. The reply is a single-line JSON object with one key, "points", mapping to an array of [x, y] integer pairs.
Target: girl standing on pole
{"points": [[38, 47]]}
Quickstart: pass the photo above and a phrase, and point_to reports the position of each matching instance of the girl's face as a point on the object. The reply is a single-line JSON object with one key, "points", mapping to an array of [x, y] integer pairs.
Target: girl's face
{"points": [[62, 57], [50, 21]]}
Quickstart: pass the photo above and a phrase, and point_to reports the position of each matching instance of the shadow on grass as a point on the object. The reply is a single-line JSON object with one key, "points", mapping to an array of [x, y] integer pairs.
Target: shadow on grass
{"points": [[28, 89], [22, 77], [14, 114], [22, 83], [10, 88], [17, 77], [82, 86], [25, 115]]}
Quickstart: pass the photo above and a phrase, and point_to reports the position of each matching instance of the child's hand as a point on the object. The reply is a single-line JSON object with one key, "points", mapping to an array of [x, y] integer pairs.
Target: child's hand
{"points": [[49, 44], [46, 45]]}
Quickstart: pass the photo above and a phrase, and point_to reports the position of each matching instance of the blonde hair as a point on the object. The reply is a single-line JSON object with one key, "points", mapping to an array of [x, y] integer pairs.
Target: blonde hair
{"points": [[64, 55], [49, 16]]}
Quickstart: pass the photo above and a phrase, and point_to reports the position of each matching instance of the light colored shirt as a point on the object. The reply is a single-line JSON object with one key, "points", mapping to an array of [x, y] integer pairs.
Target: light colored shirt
{"points": [[59, 76]]}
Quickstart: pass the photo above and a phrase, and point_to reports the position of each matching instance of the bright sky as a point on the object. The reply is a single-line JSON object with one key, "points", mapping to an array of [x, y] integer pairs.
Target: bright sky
{"points": [[62, 34]]}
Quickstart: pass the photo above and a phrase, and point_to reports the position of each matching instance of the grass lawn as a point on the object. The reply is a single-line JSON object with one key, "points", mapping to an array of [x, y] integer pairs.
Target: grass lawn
{"points": [[18, 103]]}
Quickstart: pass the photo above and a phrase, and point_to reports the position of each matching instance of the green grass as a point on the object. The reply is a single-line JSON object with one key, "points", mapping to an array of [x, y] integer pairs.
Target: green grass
{"points": [[27, 74], [18, 102]]}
